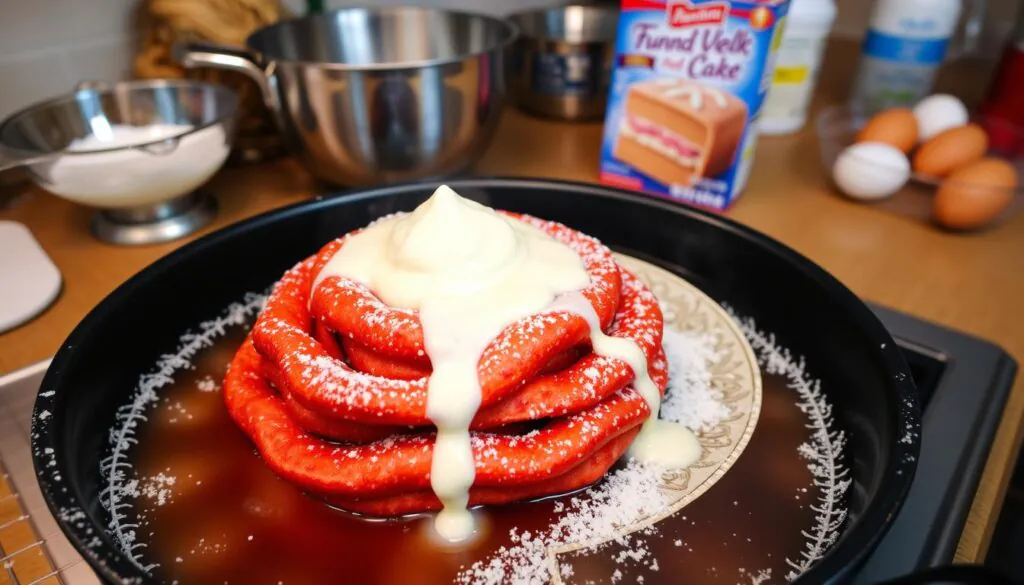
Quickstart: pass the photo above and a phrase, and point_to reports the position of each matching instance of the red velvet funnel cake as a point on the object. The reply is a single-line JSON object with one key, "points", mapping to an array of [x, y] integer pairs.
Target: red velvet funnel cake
{"points": [[331, 387]]}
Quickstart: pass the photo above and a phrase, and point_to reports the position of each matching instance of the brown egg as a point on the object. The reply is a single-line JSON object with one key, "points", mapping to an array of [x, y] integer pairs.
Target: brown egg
{"points": [[896, 127], [953, 149], [975, 195]]}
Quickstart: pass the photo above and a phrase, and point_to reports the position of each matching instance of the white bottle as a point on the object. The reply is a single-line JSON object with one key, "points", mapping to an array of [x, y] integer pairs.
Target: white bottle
{"points": [[905, 45], [797, 65]]}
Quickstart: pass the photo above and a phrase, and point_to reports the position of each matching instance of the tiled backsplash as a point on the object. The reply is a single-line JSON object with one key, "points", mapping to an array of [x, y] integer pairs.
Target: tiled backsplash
{"points": [[47, 46]]}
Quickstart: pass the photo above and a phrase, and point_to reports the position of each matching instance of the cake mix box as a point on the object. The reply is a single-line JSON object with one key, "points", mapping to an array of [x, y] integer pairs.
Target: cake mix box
{"points": [[686, 92]]}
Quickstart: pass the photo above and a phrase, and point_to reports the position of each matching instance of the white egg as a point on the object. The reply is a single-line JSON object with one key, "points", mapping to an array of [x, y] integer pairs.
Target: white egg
{"points": [[871, 170], [937, 113]]}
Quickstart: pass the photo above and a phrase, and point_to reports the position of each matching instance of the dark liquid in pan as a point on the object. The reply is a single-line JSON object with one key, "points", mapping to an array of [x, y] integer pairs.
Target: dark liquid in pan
{"points": [[229, 519]]}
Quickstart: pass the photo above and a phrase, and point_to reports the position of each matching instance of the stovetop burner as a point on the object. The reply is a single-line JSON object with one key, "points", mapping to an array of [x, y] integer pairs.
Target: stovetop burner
{"points": [[926, 366], [964, 384]]}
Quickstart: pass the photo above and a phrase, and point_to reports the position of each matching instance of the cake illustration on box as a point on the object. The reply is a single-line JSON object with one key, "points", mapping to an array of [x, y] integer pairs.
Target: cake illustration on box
{"points": [[688, 82], [677, 130]]}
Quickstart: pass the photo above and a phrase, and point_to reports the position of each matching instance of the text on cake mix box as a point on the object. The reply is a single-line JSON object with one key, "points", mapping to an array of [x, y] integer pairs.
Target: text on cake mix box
{"points": [[688, 83]]}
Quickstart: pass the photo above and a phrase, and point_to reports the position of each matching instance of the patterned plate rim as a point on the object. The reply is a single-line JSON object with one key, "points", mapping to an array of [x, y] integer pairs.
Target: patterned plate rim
{"points": [[650, 273]]}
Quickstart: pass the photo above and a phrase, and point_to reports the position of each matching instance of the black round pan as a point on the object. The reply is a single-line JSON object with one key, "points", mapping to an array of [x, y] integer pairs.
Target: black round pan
{"points": [[858, 363]]}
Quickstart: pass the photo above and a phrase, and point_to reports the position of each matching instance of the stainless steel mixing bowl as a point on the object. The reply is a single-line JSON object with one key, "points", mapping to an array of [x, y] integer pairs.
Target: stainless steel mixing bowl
{"points": [[563, 59], [371, 95], [136, 151]]}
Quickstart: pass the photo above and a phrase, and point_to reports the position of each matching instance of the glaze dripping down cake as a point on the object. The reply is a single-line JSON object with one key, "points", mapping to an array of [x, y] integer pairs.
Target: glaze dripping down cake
{"points": [[452, 357]]}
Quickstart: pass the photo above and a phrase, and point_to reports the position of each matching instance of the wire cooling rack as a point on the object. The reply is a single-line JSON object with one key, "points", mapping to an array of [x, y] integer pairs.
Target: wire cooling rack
{"points": [[33, 549]]}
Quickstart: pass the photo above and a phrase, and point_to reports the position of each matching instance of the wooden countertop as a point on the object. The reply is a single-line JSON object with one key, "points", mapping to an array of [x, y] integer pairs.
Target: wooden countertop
{"points": [[971, 283]]}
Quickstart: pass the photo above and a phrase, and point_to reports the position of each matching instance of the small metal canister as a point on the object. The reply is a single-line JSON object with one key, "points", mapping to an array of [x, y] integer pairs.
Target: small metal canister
{"points": [[562, 60]]}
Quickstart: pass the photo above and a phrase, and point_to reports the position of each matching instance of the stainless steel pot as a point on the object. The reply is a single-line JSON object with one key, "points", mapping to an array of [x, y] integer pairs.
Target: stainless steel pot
{"points": [[371, 95], [562, 61]]}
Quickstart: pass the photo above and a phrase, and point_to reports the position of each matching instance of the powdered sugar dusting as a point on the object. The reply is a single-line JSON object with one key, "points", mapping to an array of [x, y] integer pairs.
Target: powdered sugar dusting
{"points": [[595, 518], [208, 384], [824, 452], [632, 494], [157, 488], [123, 482], [625, 497], [690, 399]]}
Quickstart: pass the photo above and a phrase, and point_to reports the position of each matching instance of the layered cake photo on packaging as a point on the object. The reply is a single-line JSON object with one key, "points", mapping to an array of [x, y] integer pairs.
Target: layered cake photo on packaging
{"points": [[675, 130], [688, 84]]}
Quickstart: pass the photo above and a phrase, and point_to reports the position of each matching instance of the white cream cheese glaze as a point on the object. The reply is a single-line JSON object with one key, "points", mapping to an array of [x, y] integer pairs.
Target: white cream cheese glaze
{"points": [[471, 272]]}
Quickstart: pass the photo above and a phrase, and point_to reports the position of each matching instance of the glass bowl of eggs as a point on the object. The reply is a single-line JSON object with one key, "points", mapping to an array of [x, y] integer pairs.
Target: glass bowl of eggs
{"points": [[934, 162]]}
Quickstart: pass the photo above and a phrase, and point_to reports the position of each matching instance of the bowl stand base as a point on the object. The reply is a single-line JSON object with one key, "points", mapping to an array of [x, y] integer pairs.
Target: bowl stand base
{"points": [[153, 225]]}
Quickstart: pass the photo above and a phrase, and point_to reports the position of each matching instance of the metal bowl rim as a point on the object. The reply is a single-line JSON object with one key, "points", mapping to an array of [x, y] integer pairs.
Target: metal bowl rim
{"points": [[601, 10], [132, 85], [510, 30]]}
